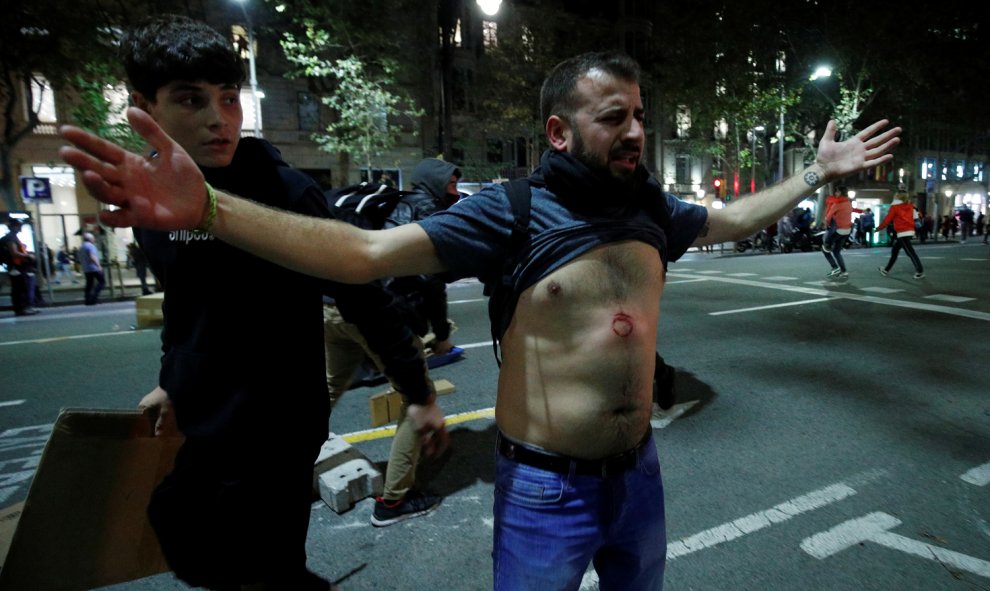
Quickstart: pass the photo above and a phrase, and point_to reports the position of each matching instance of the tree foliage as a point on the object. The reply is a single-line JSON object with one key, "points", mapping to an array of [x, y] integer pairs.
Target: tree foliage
{"points": [[39, 40], [355, 71], [96, 112]]}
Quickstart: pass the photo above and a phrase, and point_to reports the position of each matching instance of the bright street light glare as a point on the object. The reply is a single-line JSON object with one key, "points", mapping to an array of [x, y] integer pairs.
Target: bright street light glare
{"points": [[489, 7], [821, 72]]}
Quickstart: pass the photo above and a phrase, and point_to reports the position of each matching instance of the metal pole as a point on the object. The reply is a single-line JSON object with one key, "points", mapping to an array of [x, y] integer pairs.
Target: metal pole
{"points": [[780, 143], [253, 72]]}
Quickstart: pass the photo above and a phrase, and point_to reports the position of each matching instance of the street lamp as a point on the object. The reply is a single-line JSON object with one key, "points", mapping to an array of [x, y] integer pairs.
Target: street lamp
{"points": [[820, 72], [489, 7], [255, 95], [752, 174]]}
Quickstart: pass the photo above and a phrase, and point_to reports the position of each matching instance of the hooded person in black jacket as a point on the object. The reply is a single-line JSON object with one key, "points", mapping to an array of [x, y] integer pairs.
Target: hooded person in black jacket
{"points": [[242, 361], [434, 189]]}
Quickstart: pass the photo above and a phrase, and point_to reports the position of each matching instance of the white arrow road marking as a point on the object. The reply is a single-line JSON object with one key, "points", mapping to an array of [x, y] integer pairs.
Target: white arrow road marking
{"points": [[745, 525], [873, 528], [980, 475]]}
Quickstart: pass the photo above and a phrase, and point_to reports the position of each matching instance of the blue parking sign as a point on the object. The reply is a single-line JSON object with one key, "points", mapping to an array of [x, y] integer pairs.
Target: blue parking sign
{"points": [[36, 189]]}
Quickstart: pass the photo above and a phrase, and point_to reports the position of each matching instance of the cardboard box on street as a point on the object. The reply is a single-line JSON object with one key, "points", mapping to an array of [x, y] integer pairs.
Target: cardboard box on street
{"points": [[385, 406], [148, 310], [84, 522]]}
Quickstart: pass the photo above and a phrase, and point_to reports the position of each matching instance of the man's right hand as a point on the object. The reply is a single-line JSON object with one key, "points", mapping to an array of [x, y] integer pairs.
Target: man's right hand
{"points": [[166, 192], [427, 420], [158, 408]]}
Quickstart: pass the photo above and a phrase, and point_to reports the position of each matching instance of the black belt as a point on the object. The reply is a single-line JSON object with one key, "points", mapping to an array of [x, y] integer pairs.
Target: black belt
{"points": [[605, 467]]}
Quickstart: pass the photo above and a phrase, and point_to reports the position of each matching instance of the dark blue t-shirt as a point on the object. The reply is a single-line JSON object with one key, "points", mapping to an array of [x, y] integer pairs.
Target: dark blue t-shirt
{"points": [[472, 238]]}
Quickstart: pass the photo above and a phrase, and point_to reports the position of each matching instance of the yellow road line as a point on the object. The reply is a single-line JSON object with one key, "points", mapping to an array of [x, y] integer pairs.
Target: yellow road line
{"points": [[382, 432]]}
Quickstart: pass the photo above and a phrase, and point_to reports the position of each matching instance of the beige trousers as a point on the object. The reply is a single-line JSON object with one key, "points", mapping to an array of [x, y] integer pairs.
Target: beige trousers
{"points": [[346, 350]]}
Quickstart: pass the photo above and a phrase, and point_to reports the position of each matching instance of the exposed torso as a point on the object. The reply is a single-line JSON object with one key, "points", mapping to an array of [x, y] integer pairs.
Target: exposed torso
{"points": [[578, 357]]}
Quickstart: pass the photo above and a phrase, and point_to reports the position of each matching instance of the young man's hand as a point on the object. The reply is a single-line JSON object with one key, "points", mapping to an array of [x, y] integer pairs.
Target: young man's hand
{"points": [[158, 408], [164, 192], [427, 420]]}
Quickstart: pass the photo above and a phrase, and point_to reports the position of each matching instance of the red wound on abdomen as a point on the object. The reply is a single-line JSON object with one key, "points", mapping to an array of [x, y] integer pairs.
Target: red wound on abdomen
{"points": [[622, 324]]}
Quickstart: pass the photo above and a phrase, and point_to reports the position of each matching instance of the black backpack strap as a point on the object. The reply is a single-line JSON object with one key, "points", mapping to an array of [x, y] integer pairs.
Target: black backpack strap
{"points": [[502, 297]]}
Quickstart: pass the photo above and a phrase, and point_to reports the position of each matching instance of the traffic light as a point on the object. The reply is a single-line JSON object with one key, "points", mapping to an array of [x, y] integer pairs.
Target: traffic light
{"points": [[717, 186]]}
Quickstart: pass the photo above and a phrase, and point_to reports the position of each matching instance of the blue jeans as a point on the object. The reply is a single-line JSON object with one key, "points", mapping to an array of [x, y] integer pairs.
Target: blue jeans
{"points": [[550, 526], [835, 241]]}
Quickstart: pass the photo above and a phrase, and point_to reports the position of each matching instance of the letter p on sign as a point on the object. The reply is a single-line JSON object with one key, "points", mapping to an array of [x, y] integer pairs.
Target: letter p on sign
{"points": [[36, 189]]}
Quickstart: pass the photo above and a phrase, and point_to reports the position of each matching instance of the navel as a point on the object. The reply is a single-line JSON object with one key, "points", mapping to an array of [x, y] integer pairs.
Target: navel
{"points": [[622, 324]]}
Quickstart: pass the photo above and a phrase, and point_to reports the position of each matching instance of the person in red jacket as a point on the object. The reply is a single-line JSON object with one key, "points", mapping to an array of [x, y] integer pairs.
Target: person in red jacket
{"points": [[838, 220], [902, 215]]}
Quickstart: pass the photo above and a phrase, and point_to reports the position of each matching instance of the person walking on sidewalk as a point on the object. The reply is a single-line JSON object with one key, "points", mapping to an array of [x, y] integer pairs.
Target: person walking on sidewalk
{"points": [[577, 473], [19, 263], [838, 220], [92, 268], [901, 216]]}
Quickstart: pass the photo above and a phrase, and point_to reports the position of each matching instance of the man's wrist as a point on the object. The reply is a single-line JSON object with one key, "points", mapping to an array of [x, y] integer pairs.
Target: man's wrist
{"points": [[814, 177], [210, 210]]}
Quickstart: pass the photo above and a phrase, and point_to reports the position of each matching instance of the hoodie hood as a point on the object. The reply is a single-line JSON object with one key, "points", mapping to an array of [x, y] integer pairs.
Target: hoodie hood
{"points": [[431, 176]]}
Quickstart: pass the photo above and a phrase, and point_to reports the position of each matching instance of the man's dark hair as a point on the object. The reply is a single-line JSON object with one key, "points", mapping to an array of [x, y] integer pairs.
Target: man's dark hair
{"points": [[557, 97], [172, 47]]}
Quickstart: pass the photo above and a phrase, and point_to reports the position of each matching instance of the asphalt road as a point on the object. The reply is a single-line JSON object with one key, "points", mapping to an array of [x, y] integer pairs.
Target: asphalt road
{"points": [[831, 435]]}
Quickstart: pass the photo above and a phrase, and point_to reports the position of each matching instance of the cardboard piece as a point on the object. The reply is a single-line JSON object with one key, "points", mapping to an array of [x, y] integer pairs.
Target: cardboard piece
{"points": [[9, 516], [84, 522], [386, 406], [148, 310]]}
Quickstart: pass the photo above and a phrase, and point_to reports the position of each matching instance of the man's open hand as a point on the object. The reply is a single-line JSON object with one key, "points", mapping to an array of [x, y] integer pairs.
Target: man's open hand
{"points": [[863, 150], [164, 192]]}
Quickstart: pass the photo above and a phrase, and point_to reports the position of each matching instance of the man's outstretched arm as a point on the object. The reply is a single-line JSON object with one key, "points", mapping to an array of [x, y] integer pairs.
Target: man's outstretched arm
{"points": [[168, 192], [835, 160]]}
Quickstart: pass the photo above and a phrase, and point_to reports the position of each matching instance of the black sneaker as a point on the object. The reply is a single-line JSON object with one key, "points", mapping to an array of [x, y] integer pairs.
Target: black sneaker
{"points": [[413, 504]]}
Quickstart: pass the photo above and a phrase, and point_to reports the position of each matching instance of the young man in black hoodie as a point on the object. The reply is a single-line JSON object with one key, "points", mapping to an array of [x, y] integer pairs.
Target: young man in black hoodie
{"points": [[242, 362]]}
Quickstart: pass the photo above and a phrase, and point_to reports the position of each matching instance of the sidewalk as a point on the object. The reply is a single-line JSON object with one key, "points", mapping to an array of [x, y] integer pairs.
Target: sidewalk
{"points": [[124, 286]]}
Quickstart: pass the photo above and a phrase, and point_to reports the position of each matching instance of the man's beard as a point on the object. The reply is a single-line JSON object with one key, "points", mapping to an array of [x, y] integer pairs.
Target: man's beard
{"points": [[595, 164]]}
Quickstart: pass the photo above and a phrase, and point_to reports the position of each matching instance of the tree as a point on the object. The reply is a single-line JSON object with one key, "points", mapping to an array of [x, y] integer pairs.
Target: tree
{"points": [[39, 43], [353, 61], [97, 112], [363, 105]]}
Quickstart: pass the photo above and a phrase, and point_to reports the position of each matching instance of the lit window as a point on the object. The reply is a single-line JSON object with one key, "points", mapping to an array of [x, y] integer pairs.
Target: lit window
{"points": [[43, 99], [117, 98], [683, 121], [489, 31], [251, 115], [240, 38]]}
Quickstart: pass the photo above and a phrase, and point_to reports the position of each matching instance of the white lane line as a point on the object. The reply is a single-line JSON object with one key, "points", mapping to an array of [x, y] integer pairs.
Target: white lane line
{"points": [[980, 475], [476, 345], [964, 313], [667, 417], [12, 402], [686, 281], [115, 333], [780, 278], [873, 528], [883, 290], [452, 302], [942, 297], [757, 521], [801, 303]]}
